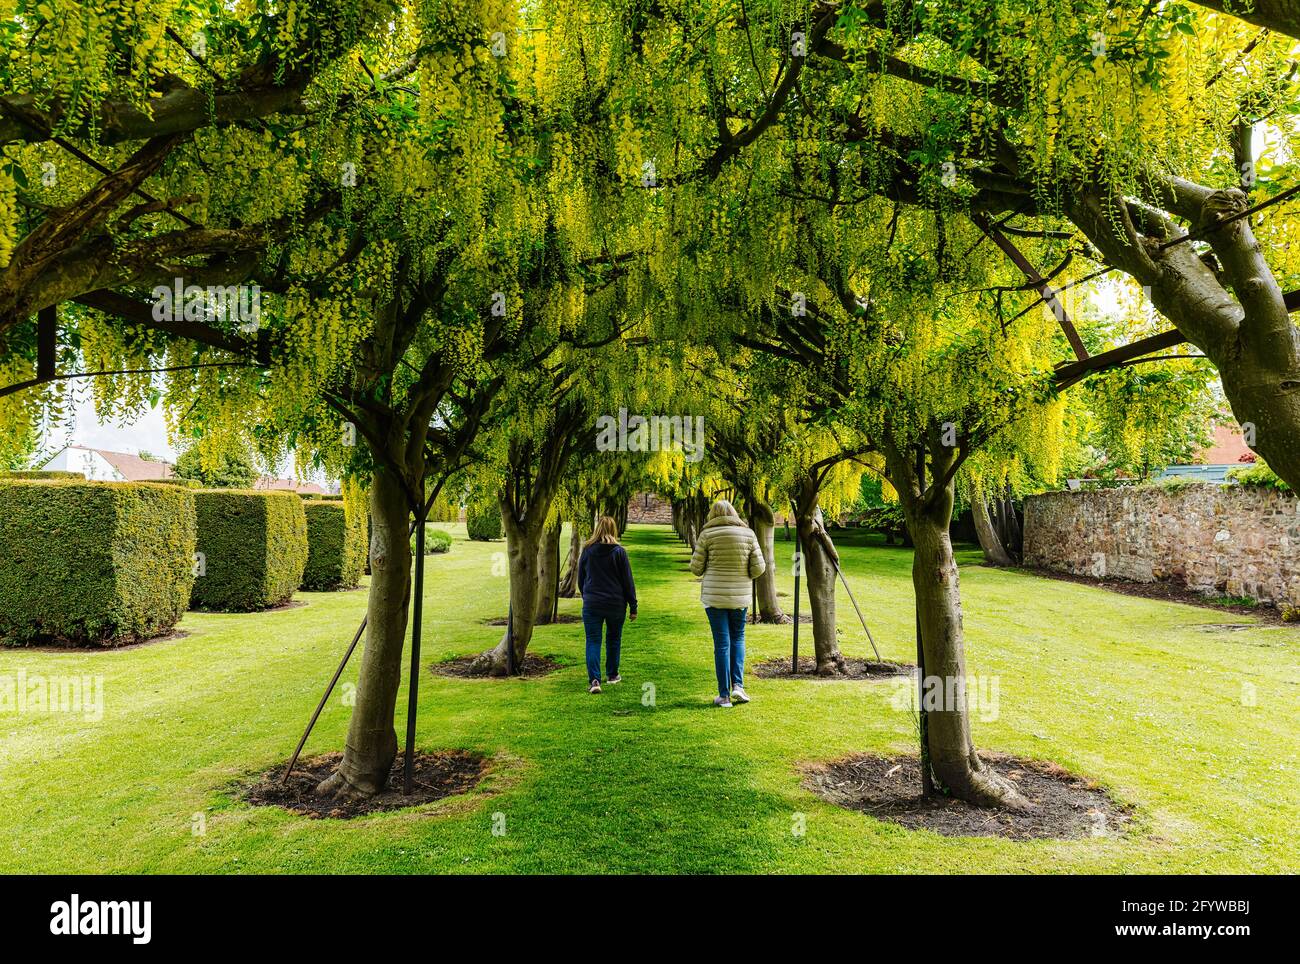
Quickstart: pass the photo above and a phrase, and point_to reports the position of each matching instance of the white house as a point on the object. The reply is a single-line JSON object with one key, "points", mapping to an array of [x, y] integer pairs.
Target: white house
{"points": [[101, 465]]}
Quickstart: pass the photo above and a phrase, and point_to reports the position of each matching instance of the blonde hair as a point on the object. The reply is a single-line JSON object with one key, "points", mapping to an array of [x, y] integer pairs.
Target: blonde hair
{"points": [[606, 531], [723, 508]]}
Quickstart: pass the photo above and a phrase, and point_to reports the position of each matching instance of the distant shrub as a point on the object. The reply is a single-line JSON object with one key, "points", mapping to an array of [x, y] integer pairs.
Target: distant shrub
{"points": [[93, 563], [336, 547], [483, 522], [42, 474], [1259, 475], [228, 470], [435, 541], [183, 483], [254, 548]]}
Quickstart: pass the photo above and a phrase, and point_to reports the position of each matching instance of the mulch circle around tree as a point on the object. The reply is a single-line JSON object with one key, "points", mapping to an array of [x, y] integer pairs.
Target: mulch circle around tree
{"points": [[436, 775], [779, 668], [1066, 806], [561, 618], [534, 666]]}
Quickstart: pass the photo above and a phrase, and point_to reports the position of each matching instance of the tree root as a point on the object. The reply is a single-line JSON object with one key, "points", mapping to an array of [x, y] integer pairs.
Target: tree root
{"points": [[833, 665], [338, 786]]}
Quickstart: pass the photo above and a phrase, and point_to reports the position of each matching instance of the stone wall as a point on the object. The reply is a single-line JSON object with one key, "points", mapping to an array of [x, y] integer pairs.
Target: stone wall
{"points": [[648, 507], [1234, 540]]}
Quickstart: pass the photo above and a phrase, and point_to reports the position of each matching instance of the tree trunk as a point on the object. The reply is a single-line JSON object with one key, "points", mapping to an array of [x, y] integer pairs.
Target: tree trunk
{"points": [[953, 759], [819, 560], [372, 741], [522, 544], [763, 522], [548, 573], [569, 581], [995, 553], [1006, 522]]}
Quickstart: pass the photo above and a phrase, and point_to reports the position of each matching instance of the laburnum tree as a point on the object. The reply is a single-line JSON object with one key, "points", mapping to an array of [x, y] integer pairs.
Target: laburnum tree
{"points": [[1157, 136], [422, 233]]}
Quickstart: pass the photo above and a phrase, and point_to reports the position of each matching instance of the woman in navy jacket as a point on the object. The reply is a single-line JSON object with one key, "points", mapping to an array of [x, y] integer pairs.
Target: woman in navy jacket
{"points": [[608, 595]]}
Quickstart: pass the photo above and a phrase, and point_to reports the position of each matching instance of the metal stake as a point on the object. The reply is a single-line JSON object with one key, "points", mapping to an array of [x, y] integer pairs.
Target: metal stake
{"points": [[839, 573], [414, 686], [927, 781], [798, 568]]}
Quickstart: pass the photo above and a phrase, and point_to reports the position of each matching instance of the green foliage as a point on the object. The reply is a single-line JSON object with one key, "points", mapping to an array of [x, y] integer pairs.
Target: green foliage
{"points": [[886, 518], [1148, 417], [444, 509], [336, 545], [93, 563], [183, 483], [224, 471], [42, 474], [436, 541], [483, 522], [1258, 474], [254, 547]]}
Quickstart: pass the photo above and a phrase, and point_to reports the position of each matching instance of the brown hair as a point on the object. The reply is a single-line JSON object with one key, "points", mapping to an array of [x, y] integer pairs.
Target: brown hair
{"points": [[606, 531]]}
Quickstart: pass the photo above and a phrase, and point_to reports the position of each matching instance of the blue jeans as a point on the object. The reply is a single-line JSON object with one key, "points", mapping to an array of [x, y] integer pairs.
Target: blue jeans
{"points": [[728, 627], [592, 621]]}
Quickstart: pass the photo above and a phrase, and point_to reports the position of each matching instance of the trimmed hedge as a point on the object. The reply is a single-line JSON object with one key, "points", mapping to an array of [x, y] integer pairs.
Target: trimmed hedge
{"points": [[93, 563], [336, 546], [183, 483], [483, 522], [254, 546], [43, 474]]}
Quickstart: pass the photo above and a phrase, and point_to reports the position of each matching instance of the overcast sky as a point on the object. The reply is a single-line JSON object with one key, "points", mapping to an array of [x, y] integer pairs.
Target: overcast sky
{"points": [[147, 433]]}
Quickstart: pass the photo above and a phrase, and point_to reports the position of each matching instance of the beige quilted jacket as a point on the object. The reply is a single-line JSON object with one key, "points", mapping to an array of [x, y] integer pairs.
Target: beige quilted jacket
{"points": [[728, 556]]}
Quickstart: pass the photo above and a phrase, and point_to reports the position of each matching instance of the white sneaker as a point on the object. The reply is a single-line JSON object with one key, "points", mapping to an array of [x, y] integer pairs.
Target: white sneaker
{"points": [[722, 701], [739, 695]]}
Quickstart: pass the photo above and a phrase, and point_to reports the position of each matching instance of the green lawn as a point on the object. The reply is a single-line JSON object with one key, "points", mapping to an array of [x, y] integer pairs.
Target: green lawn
{"points": [[1136, 693]]}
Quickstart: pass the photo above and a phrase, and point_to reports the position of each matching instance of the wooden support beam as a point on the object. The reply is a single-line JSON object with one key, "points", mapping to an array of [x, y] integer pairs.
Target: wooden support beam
{"points": [[1036, 280], [47, 336], [1073, 372]]}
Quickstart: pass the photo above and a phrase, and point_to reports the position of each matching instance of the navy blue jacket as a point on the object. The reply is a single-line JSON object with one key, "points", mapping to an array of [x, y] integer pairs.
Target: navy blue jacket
{"points": [[605, 578]]}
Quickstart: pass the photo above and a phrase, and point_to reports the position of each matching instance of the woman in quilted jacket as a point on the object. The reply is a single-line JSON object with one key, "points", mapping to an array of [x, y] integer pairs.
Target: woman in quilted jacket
{"points": [[728, 557]]}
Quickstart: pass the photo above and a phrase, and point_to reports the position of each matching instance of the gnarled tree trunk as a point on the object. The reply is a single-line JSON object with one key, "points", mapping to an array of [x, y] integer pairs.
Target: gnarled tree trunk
{"points": [[819, 561], [995, 553], [569, 581], [372, 740], [522, 544], [951, 749], [548, 574], [763, 522]]}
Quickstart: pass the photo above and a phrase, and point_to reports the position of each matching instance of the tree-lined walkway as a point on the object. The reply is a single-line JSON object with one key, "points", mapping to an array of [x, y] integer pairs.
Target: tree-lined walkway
{"points": [[1146, 695]]}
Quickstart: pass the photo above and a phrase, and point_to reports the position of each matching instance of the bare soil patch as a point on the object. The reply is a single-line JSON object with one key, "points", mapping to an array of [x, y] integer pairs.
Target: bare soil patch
{"points": [[1163, 591], [779, 668], [436, 775], [53, 645], [1065, 806], [461, 668]]}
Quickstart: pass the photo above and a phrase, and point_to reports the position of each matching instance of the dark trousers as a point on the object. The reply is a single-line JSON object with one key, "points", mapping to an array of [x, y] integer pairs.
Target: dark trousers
{"points": [[593, 620]]}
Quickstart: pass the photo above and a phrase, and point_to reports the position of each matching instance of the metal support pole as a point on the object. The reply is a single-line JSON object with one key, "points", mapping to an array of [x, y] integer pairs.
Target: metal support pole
{"points": [[311, 724], [927, 781], [414, 686], [798, 568], [324, 698], [861, 619]]}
